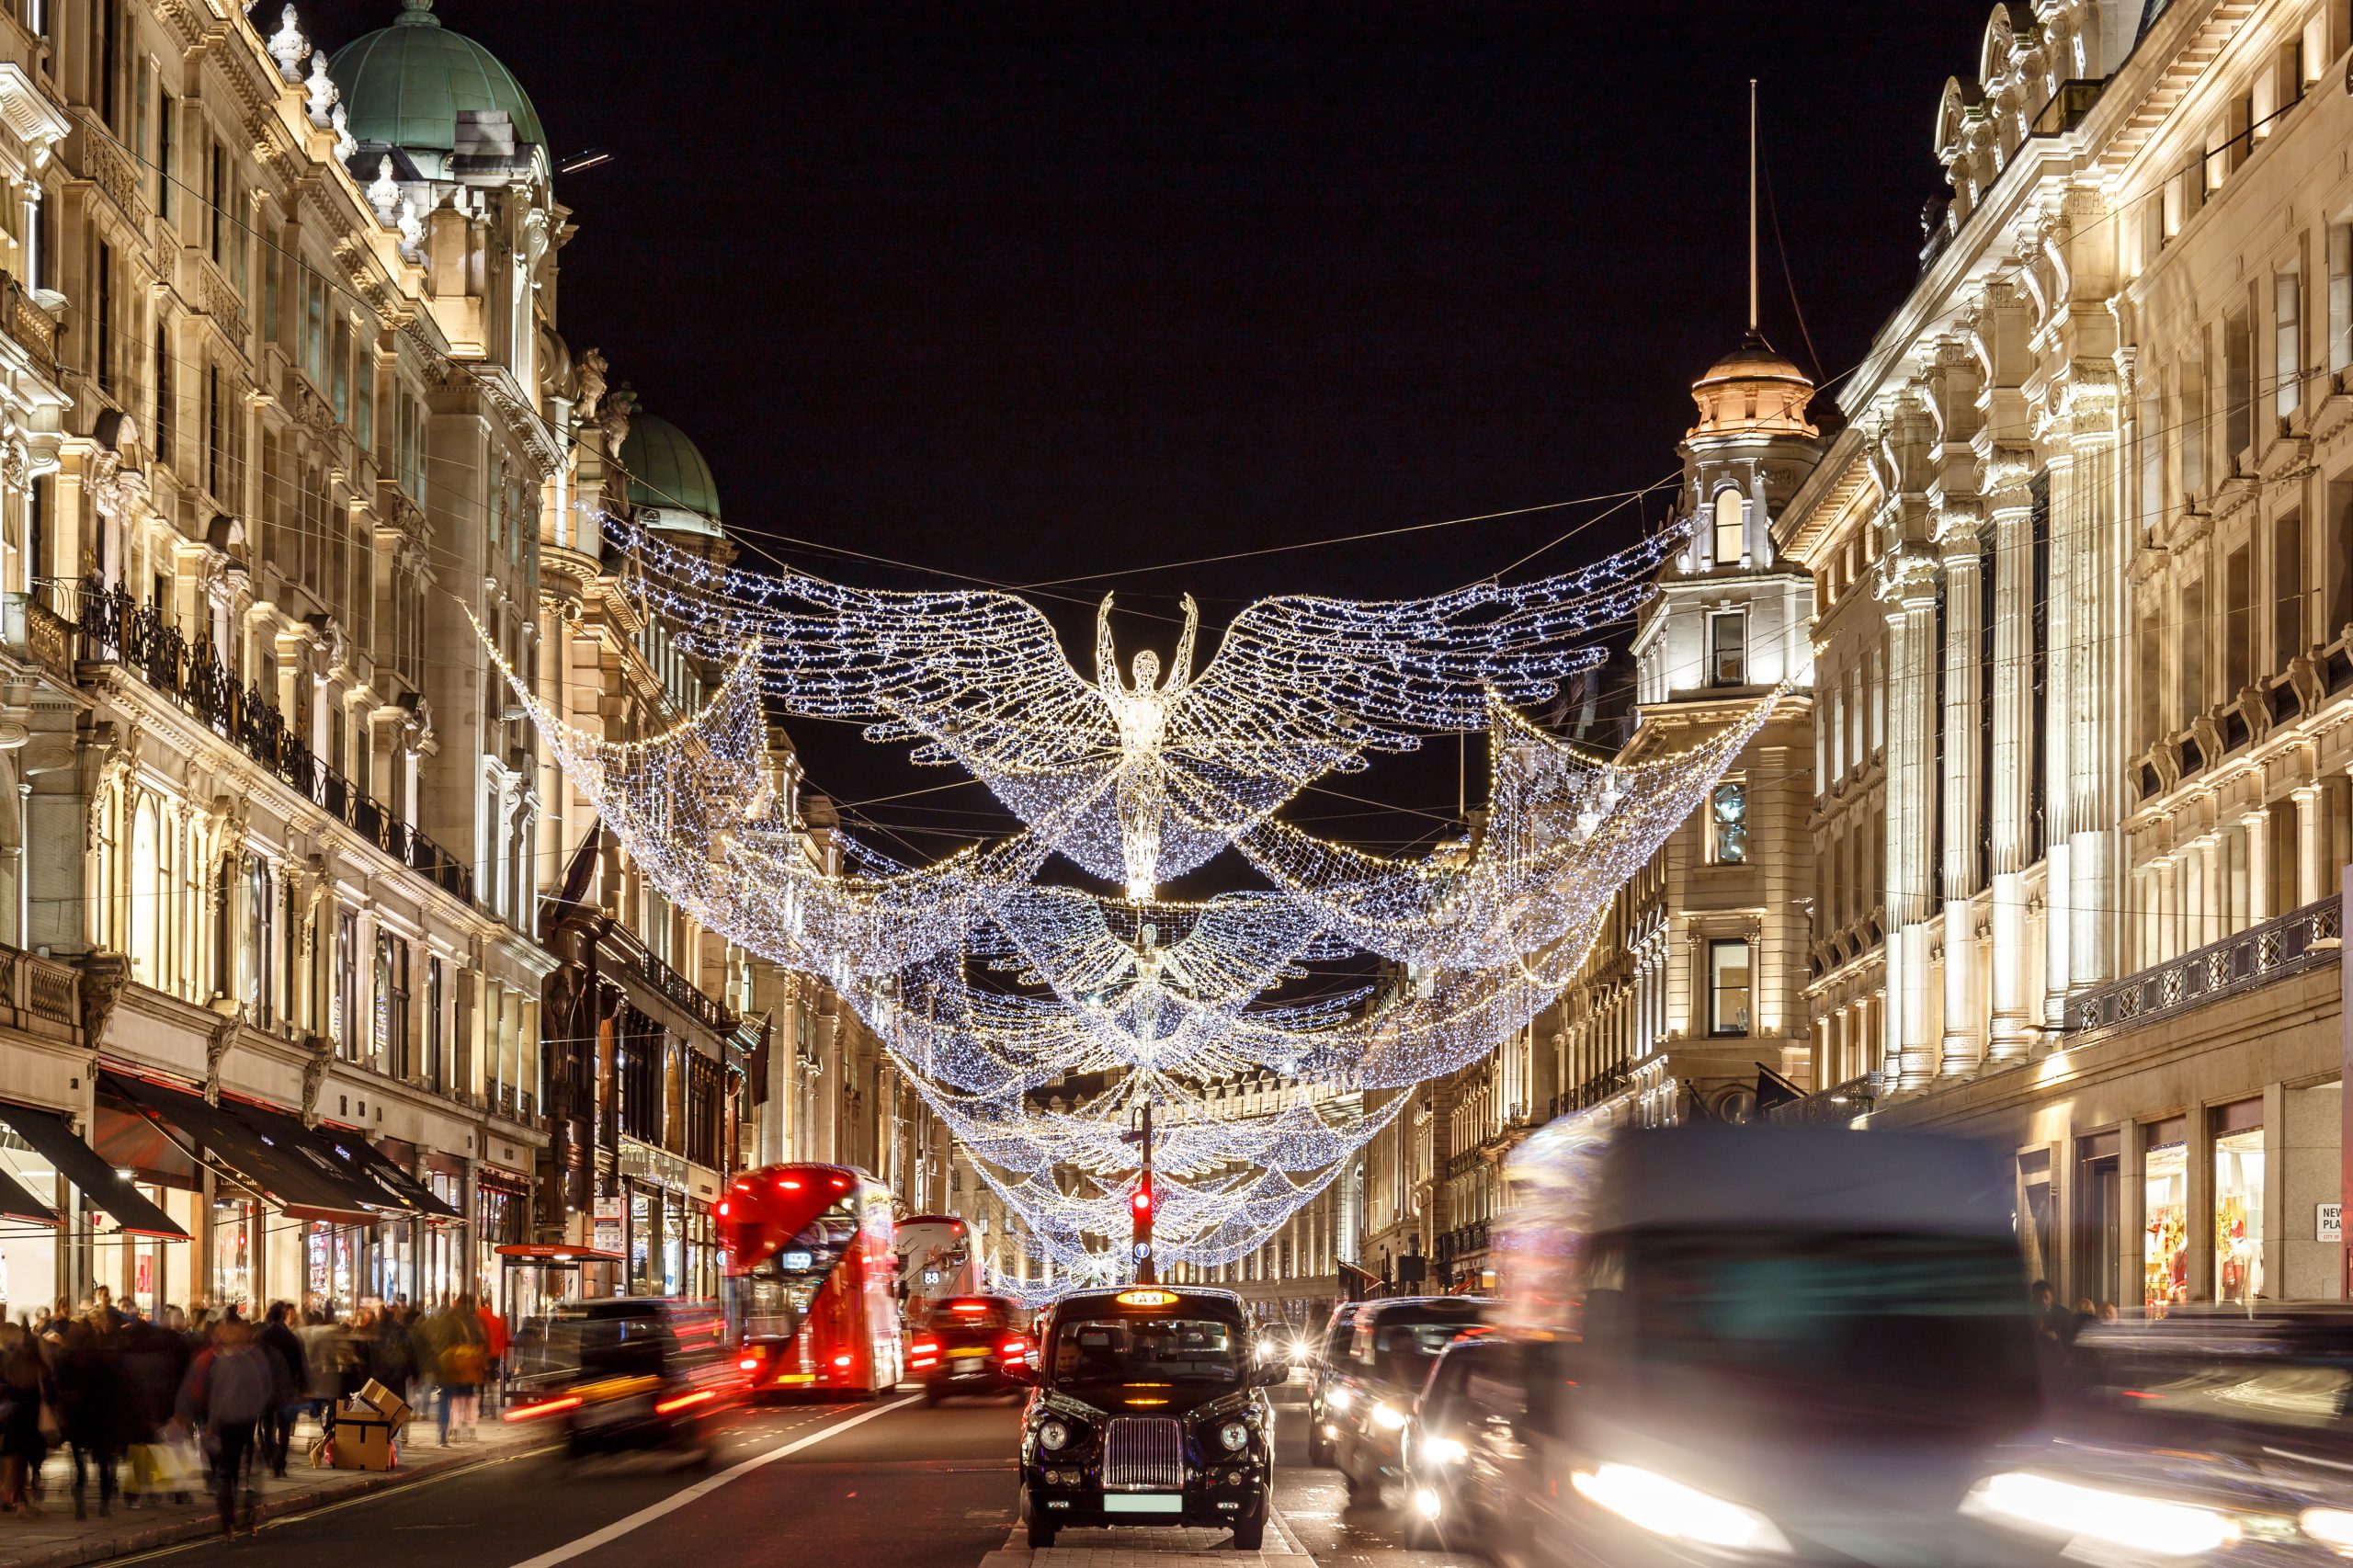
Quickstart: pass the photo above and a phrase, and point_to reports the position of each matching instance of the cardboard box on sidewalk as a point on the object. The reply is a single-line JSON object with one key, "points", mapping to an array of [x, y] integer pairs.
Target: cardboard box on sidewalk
{"points": [[363, 1437], [390, 1405]]}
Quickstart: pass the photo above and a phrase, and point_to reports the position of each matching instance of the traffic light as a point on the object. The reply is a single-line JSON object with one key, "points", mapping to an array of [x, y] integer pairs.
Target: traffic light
{"points": [[1140, 1213]]}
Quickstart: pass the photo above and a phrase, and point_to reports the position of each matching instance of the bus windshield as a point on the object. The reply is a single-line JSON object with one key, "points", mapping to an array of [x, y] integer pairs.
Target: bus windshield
{"points": [[774, 1295], [1147, 1350]]}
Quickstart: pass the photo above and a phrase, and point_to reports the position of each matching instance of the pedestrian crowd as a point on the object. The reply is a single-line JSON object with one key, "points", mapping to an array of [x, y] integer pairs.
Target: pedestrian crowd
{"points": [[159, 1405]]}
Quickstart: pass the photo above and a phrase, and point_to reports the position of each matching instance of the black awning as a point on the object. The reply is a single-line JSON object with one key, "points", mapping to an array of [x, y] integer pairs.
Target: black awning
{"points": [[97, 1181], [16, 1203], [366, 1165], [287, 1169]]}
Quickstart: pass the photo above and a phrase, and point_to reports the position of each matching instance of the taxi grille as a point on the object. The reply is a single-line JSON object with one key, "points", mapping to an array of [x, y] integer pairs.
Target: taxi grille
{"points": [[1144, 1453]]}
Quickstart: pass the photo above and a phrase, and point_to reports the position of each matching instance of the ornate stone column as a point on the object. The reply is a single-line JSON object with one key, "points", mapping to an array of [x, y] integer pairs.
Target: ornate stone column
{"points": [[2010, 504], [2260, 906], [2312, 846], [1964, 1048], [1908, 587]]}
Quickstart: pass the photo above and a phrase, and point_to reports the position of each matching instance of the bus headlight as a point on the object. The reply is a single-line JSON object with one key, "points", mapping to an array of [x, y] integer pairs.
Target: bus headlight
{"points": [[1052, 1435], [1234, 1434]]}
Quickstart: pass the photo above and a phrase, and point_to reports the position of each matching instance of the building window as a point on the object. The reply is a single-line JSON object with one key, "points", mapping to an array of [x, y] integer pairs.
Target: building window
{"points": [[436, 1031], [2340, 297], [1728, 824], [391, 1018], [1728, 988], [2287, 344], [347, 985], [1731, 516], [260, 958], [1728, 648], [2238, 1202]]}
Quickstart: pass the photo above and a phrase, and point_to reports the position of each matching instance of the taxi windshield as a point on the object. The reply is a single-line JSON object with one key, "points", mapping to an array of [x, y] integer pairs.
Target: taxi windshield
{"points": [[1147, 1350]]}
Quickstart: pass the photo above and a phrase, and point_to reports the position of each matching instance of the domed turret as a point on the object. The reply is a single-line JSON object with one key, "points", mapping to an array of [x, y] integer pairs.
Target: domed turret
{"points": [[1753, 391], [406, 84], [669, 483]]}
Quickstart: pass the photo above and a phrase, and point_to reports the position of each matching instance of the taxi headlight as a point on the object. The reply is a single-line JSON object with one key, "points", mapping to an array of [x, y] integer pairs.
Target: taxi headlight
{"points": [[2119, 1518], [2330, 1526], [1338, 1399], [1388, 1418], [1669, 1509], [1052, 1435], [1234, 1434]]}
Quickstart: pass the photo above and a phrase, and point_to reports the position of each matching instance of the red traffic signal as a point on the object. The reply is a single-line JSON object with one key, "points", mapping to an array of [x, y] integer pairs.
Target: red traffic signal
{"points": [[1141, 1201]]}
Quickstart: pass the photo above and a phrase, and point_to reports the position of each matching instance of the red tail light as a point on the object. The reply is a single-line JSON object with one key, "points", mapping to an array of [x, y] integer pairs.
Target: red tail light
{"points": [[545, 1407], [684, 1400], [1013, 1349], [749, 1364], [842, 1359]]}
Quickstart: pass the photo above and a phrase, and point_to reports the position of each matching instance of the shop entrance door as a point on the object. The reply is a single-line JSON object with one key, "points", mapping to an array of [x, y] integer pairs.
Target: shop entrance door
{"points": [[2100, 1215]]}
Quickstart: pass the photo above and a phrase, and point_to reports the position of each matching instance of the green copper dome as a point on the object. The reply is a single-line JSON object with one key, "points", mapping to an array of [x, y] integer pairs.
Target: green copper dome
{"points": [[404, 85], [668, 477]]}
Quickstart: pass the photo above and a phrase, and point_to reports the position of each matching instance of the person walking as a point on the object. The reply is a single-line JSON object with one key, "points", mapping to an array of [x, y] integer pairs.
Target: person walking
{"points": [[461, 1364], [26, 1390], [496, 1344], [292, 1372], [226, 1394], [93, 1406]]}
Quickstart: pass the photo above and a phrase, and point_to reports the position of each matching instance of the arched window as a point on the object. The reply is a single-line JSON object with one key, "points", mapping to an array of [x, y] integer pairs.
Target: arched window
{"points": [[146, 893], [1731, 516]]}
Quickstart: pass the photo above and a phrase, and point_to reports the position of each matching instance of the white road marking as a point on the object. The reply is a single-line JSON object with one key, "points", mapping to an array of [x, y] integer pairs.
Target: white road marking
{"points": [[701, 1489]]}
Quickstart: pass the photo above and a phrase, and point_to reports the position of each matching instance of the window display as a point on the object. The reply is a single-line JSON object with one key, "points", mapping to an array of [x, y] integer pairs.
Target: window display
{"points": [[2165, 1257], [2238, 1215]]}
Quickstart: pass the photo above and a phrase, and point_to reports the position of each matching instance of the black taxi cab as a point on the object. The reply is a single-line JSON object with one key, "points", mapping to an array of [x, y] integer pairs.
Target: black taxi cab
{"points": [[1147, 1407]]}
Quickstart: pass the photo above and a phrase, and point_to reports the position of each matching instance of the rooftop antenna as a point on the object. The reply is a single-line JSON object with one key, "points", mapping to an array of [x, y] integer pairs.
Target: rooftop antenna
{"points": [[1752, 205]]}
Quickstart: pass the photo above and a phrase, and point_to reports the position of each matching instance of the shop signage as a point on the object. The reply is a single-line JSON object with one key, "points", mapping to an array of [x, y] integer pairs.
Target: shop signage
{"points": [[2330, 1226], [646, 1162]]}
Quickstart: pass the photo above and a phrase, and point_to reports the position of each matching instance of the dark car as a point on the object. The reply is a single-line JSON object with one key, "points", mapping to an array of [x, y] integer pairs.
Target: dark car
{"points": [[628, 1373], [1476, 1377], [1147, 1409], [1324, 1354], [969, 1346], [1375, 1377]]}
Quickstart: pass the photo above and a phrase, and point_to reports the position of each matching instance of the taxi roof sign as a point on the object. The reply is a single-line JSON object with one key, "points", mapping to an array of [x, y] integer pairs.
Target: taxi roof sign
{"points": [[1146, 1297]]}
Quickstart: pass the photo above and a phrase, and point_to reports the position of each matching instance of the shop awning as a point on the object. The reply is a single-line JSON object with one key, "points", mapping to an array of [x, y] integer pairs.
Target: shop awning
{"points": [[369, 1165], [16, 1203], [554, 1253], [257, 1147], [98, 1182]]}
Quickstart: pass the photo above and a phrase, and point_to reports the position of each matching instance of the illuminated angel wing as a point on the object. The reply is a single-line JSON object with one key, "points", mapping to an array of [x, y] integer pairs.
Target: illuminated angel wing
{"points": [[1302, 686], [973, 676]]}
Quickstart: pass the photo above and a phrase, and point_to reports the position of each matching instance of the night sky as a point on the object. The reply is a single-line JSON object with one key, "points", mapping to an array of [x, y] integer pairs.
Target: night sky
{"points": [[1030, 293]]}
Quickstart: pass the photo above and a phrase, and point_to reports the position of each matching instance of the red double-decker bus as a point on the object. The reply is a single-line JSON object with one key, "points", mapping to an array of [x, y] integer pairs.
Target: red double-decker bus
{"points": [[811, 1279]]}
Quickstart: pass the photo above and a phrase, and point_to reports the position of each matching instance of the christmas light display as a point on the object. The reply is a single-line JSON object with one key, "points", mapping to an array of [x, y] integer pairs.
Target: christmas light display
{"points": [[1267, 1030]]}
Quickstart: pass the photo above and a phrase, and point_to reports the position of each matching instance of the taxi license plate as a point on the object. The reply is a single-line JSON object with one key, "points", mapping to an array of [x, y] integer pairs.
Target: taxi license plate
{"points": [[1143, 1503], [968, 1352]]}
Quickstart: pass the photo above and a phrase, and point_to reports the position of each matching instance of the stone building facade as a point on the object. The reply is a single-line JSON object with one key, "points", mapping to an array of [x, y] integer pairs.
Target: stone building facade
{"points": [[2081, 556]]}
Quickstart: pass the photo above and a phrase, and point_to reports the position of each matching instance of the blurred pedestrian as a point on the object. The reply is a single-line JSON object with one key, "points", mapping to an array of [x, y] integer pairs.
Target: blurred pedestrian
{"points": [[154, 1364], [291, 1373], [496, 1344], [226, 1394], [463, 1361], [93, 1406], [25, 1389]]}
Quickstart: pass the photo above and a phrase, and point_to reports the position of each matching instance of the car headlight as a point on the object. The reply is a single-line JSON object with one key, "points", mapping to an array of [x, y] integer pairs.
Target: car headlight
{"points": [[1388, 1418], [1669, 1509], [2119, 1518], [2330, 1526], [1442, 1450], [1053, 1434], [1338, 1399], [1234, 1434]]}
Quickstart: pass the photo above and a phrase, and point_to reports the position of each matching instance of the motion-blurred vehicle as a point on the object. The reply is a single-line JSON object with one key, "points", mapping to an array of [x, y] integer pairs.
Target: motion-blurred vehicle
{"points": [[1147, 1409], [1475, 1374], [2208, 1433], [1324, 1351], [970, 1345], [811, 1279], [935, 1264], [1376, 1378], [1760, 1344], [628, 1373]]}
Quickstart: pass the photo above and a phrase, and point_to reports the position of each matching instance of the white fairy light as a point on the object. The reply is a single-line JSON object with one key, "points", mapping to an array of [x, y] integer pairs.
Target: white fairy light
{"points": [[990, 988]]}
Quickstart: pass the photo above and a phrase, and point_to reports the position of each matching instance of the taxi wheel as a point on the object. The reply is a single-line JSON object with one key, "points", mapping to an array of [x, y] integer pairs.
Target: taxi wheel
{"points": [[1041, 1533], [1249, 1535], [1360, 1491], [1319, 1450], [931, 1394]]}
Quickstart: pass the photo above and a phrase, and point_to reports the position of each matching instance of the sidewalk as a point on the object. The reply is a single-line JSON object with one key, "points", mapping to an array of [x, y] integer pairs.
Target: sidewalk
{"points": [[55, 1539]]}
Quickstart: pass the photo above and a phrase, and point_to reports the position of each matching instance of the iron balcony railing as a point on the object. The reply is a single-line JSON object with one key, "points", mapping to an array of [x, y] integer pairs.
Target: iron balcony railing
{"points": [[2298, 940], [115, 628], [1840, 1102]]}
